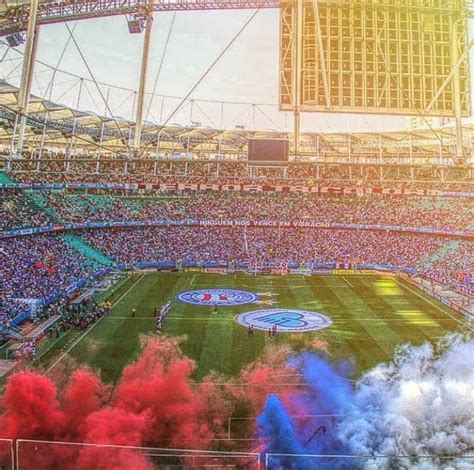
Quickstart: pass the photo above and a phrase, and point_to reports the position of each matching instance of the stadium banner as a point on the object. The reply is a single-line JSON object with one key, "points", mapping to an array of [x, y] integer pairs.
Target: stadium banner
{"points": [[317, 189], [155, 264], [216, 270], [302, 271], [193, 269], [370, 272], [235, 223], [344, 272]]}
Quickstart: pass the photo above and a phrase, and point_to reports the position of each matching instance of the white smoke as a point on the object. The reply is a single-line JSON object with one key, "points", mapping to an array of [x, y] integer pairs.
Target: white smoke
{"points": [[420, 404]]}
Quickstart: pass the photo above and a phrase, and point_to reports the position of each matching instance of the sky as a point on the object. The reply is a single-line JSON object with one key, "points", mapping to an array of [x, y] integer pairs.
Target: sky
{"points": [[247, 73]]}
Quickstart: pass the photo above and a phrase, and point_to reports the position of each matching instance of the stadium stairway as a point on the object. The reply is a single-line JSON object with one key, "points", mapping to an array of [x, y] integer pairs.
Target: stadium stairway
{"points": [[444, 250], [87, 250], [74, 241], [4, 178], [38, 201]]}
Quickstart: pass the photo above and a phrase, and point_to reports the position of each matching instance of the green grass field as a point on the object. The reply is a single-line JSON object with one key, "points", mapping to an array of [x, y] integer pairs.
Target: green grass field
{"points": [[371, 316]]}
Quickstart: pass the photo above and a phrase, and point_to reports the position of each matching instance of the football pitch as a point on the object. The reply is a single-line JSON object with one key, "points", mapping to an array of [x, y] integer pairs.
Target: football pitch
{"points": [[371, 315]]}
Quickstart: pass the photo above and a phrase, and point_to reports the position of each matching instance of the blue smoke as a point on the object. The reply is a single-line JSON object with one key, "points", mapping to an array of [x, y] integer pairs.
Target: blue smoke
{"points": [[329, 386], [419, 404], [276, 429], [327, 397]]}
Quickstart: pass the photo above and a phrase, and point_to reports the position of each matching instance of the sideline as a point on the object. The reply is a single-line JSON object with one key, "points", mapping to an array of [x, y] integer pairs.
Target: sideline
{"points": [[347, 281], [73, 345], [434, 305]]}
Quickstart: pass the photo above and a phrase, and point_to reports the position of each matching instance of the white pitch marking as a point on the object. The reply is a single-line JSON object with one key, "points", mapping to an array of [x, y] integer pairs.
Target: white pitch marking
{"points": [[347, 281], [192, 280], [94, 325], [112, 317]]}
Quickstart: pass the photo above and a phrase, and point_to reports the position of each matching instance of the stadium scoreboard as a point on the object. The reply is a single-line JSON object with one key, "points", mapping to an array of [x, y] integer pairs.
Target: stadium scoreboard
{"points": [[274, 151], [374, 56]]}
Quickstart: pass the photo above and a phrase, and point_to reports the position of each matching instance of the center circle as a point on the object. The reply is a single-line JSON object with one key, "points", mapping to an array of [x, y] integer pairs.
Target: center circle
{"points": [[217, 297], [286, 320]]}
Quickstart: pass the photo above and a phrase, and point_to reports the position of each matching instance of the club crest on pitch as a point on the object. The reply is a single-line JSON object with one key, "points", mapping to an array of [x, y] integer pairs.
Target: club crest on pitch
{"points": [[286, 320], [218, 297]]}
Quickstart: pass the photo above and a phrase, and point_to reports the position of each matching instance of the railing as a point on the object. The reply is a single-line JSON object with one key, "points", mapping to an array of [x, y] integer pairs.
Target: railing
{"points": [[352, 462], [7, 454], [23, 454], [43, 455]]}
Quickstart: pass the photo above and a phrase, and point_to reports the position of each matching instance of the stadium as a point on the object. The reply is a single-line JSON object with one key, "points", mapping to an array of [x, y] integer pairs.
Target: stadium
{"points": [[236, 235]]}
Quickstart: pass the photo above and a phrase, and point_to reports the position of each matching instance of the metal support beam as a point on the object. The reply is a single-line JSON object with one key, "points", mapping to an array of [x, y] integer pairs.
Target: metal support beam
{"points": [[31, 47], [143, 77], [322, 59], [380, 150], [221, 124], [41, 149], [449, 78], [188, 142], [99, 147], [74, 124], [131, 125], [298, 44], [456, 87], [59, 12]]}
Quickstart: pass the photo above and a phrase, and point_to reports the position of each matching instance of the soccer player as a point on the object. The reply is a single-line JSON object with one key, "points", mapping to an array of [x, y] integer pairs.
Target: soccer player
{"points": [[215, 309], [133, 312]]}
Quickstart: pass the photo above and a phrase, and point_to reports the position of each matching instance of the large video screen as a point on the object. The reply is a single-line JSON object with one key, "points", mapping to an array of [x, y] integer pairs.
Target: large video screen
{"points": [[268, 150], [377, 56]]}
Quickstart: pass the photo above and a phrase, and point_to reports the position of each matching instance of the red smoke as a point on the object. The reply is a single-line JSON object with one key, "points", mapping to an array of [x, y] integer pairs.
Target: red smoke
{"points": [[155, 404], [270, 375], [32, 409], [159, 384]]}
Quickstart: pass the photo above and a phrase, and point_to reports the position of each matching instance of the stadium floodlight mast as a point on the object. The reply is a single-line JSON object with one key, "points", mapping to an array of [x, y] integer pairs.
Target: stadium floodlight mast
{"points": [[147, 14], [31, 47]]}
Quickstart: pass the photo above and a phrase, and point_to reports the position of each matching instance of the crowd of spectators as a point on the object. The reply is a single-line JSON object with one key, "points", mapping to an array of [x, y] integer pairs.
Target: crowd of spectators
{"points": [[74, 315], [69, 315], [17, 210], [110, 170], [282, 245], [454, 214], [37, 267]]}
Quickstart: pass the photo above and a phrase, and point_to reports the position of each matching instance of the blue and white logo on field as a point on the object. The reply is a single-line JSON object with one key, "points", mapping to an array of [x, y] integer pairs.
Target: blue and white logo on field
{"points": [[286, 320], [219, 297]]}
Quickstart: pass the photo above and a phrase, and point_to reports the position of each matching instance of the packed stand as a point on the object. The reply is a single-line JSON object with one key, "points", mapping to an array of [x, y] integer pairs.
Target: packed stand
{"points": [[37, 267], [454, 214], [17, 210], [165, 170], [70, 314], [284, 245]]}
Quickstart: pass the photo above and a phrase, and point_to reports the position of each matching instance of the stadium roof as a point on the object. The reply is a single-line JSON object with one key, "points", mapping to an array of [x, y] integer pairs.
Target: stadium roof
{"points": [[61, 122], [14, 13]]}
